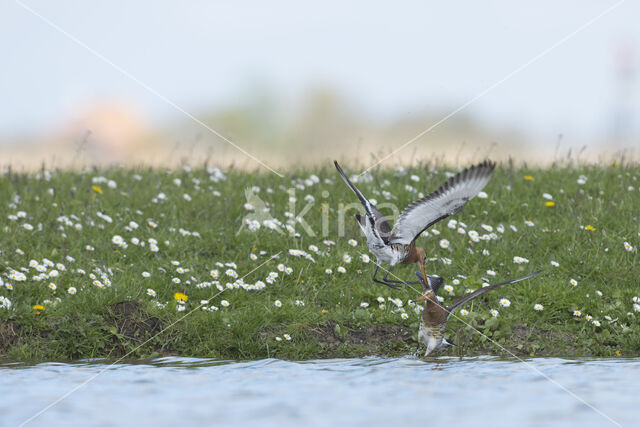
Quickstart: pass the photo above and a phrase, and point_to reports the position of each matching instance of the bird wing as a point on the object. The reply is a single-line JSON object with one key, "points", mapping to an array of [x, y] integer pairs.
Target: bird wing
{"points": [[378, 224], [475, 294], [445, 201]]}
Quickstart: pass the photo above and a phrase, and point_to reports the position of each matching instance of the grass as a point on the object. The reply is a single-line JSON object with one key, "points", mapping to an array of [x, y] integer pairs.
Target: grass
{"points": [[75, 216]]}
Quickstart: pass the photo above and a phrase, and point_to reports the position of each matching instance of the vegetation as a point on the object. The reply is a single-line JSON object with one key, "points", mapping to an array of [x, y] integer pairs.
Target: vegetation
{"points": [[227, 279]]}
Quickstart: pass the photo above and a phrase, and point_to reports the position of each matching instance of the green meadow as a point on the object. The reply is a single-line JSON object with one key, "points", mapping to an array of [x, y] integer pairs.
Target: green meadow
{"points": [[199, 262]]}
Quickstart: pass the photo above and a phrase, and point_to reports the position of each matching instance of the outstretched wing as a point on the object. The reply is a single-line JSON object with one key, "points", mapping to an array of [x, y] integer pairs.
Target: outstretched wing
{"points": [[445, 201], [377, 223], [475, 294]]}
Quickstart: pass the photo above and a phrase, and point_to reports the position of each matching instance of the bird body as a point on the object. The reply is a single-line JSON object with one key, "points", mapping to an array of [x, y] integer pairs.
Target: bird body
{"points": [[435, 316], [397, 245]]}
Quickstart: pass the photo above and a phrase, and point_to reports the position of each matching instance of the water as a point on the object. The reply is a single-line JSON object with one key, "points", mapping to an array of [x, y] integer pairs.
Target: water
{"points": [[350, 392]]}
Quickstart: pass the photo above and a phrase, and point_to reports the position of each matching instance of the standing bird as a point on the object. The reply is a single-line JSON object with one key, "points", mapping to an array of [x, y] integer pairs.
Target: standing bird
{"points": [[435, 316], [398, 245]]}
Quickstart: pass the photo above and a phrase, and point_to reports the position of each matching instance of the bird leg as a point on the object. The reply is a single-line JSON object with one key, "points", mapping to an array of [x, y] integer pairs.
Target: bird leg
{"points": [[389, 282]]}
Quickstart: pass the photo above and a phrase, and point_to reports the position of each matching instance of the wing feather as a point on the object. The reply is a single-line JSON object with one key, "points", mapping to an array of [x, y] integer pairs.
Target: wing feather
{"points": [[378, 223], [445, 201]]}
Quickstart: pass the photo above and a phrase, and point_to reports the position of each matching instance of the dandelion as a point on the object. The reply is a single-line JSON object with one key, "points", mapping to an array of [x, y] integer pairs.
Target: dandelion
{"points": [[464, 312], [549, 204], [590, 227], [577, 313], [529, 178], [224, 303], [72, 291], [146, 274], [628, 247], [352, 242], [341, 269], [494, 313], [505, 302], [179, 296], [538, 307], [444, 243], [96, 189], [573, 282], [38, 308], [404, 316], [278, 303]]}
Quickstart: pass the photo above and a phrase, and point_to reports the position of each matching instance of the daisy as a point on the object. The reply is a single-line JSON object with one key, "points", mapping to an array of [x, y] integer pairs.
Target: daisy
{"points": [[529, 223], [577, 313], [341, 269], [278, 303], [224, 303], [281, 267], [482, 195], [146, 274], [278, 339], [587, 317], [555, 264], [380, 300], [117, 240], [346, 258], [404, 316], [52, 286], [520, 260], [628, 247], [233, 274], [72, 290], [365, 258], [364, 304], [181, 307], [573, 282], [494, 313], [328, 271], [352, 242], [636, 308], [313, 248], [538, 307], [464, 312], [175, 280], [214, 274], [444, 243], [505, 302], [253, 257], [596, 323], [151, 292], [299, 303], [491, 272]]}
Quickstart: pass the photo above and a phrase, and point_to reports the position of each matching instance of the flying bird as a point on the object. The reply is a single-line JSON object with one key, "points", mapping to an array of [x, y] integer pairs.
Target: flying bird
{"points": [[435, 316], [398, 245]]}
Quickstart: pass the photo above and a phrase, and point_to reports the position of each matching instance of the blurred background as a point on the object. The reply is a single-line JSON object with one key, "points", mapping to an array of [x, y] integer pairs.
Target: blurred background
{"points": [[145, 82]]}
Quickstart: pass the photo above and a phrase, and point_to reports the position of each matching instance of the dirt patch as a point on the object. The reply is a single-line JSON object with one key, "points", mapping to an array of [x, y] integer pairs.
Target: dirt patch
{"points": [[132, 327], [336, 339], [9, 336]]}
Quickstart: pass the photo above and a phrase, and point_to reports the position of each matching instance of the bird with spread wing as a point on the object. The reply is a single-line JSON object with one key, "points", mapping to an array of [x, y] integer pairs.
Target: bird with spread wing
{"points": [[398, 245], [435, 316]]}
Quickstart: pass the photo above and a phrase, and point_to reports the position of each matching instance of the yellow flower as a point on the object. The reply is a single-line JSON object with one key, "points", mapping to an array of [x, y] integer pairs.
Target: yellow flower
{"points": [[179, 296], [590, 227], [549, 204], [325, 311], [38, 308], [97, 189], [529, 178]]}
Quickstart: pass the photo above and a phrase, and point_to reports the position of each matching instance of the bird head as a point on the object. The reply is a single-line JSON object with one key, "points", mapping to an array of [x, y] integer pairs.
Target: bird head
{"points": [[427, 292]]}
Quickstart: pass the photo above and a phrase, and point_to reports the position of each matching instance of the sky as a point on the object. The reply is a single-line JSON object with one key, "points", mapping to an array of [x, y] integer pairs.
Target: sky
{"points": [[543, 68]]}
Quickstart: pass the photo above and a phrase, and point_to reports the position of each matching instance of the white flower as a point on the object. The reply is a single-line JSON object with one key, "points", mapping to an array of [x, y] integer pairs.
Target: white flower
{"points": [[313, 248], [529, 223], [577, 313], [520, 260], [582, 180], [151, 292], [27, 226], [281, 267], [587, 317], [494, 313], [72, 290], [573, 282], [538, 307], [346, 258], [117, 240], [278, 303], [636, 308], [547, 196], [444, 243], [364, 304], [146, 274], [224, 303], [505, 302], [596, 323], [278, 339], [491, 272], [448, 288], [299, 303], [328, 271], [288, 270], [175, 280], [380, 300], [214, 274], [482, 195], [365, 258], [352, 242], [341, 269], [253, 257], [404, 316], [180, 307], [287, 337], [555, 264], [52, 286], [628, 247], [464, 312], [232, 273]]}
